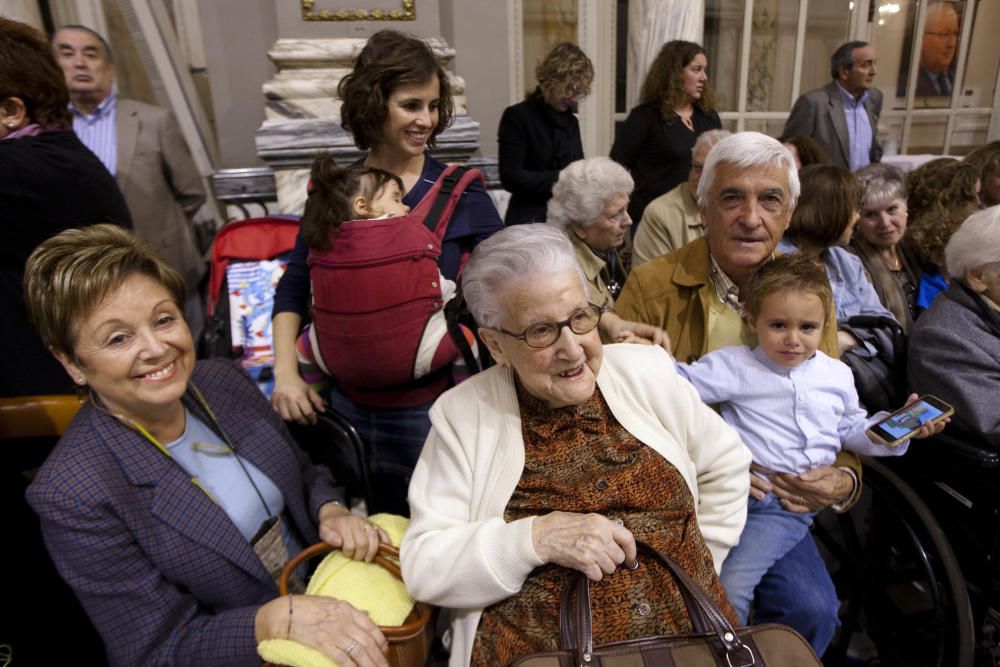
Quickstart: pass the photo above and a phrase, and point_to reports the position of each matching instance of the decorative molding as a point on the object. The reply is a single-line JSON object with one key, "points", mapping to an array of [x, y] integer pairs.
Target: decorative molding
{"points": [[597, 25], [309, 71], [407, 13], [515, 49]]}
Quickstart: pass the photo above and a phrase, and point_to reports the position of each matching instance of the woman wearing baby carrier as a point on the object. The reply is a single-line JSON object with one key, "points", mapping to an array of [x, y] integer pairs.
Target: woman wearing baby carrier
{"points": [[395, 102]]}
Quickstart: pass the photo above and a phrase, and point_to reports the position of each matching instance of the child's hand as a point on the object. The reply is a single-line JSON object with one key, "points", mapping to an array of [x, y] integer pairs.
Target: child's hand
{"points": [[760, 485], [930, 428]]}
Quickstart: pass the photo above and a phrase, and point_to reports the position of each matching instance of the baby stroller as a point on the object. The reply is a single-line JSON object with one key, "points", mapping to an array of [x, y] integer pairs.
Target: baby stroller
{"points": [[248, 258]]}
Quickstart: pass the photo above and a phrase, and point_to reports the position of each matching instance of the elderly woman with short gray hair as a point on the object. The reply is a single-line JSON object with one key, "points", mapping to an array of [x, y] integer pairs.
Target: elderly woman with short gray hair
{"points": [[590, 205], [955, 344], [530, 468]]}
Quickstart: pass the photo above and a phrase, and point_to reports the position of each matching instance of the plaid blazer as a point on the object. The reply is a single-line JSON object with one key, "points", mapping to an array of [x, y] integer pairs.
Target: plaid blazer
{"points": [[163, 573]]}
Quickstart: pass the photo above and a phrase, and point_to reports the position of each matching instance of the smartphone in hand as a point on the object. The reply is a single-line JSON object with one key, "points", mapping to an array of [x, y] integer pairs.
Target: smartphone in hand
{"points": [[903, 423]]}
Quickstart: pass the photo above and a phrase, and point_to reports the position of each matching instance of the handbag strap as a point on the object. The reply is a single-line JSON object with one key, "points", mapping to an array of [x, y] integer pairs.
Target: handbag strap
{"points": [[575, 619]]}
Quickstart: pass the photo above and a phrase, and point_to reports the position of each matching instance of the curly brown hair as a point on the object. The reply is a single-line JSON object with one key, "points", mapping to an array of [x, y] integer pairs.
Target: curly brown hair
{"points": [[929, 233], [29, 71], [566, 66], [987, 160], [331, 193], [942, 183], [663, 85], [389, 60]]}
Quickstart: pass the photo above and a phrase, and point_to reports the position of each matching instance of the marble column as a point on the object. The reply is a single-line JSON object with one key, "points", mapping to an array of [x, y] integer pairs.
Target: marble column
{"points": [[653, 23], [302, 113]]}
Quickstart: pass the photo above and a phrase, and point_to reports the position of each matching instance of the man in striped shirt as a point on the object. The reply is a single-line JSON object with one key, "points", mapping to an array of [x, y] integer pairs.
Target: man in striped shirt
{"points": [[142, 147]]}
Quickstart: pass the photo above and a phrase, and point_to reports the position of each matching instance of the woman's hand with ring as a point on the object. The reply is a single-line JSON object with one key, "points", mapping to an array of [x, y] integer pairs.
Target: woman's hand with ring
{"points": [[334, 627], [590, 543], [356, 537]]}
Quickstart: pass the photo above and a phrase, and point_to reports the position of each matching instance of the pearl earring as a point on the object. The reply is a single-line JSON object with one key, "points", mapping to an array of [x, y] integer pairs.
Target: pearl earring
{"points": [[80, 380]]}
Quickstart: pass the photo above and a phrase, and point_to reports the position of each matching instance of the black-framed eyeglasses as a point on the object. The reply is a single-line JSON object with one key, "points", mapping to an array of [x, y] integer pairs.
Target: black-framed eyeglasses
{"points": [[543, 334]]}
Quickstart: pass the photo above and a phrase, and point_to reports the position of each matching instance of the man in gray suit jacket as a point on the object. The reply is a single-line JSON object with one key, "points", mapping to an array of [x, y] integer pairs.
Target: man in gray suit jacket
{"points": [[141, 145], [842, 116]]}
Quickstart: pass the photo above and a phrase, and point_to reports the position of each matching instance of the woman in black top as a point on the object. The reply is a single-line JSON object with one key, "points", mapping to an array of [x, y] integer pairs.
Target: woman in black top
{"points": [[676, 104], [49, 182], [540, 136]]}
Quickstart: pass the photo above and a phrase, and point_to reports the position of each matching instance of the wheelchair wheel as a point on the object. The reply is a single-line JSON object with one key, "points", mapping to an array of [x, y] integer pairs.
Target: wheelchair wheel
{"points": [[902, 589]]}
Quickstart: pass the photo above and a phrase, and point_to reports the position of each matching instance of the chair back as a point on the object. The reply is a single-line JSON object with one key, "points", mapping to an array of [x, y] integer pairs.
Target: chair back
{"points": [[30, 426], [36, 416], [333, 442]]}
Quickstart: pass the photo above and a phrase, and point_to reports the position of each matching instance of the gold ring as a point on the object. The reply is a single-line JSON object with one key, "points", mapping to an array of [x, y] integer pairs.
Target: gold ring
{"points": [[371, 527]]}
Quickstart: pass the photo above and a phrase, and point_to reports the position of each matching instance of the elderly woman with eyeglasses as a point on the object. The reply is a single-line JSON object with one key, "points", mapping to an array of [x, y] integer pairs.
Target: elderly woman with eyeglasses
{"points": [[590, 205], [557, 460]]}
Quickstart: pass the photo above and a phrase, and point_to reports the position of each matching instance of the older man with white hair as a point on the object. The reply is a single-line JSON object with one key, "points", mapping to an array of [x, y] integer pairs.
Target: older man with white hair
{"points": [[748, 189], [672, 220]]}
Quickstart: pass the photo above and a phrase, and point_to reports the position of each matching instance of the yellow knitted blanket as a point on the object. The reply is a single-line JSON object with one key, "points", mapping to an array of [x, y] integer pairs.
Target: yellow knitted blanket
{"points": [[366, 586]]}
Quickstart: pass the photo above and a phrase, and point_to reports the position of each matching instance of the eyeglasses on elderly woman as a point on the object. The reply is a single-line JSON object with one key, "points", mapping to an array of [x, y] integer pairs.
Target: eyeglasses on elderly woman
{"points": [[543, 334]]}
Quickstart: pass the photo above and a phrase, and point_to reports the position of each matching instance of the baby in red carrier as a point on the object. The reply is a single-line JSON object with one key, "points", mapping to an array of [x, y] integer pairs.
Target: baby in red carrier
{"points": [[340, 199]]}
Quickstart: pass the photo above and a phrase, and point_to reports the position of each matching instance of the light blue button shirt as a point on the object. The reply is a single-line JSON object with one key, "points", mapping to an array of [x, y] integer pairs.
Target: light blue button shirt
{"points": [[859, 128], [97, 131], [791, 419]]}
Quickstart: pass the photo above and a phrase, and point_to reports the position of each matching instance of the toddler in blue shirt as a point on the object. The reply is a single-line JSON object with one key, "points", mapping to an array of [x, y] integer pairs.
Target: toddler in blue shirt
{"points": [[793, 406]]}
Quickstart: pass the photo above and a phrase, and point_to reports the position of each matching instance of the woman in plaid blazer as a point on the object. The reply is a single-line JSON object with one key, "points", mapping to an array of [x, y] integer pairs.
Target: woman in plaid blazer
{"points": [[155, 541]]}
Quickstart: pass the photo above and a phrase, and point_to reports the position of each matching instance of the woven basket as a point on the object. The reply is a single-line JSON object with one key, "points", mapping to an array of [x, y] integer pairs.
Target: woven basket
{"points": [[409, 643]]}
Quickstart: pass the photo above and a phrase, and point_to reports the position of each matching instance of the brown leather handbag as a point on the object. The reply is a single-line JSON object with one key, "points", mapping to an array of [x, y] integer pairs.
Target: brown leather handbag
{"points": [[713, 642], [409, 643]]}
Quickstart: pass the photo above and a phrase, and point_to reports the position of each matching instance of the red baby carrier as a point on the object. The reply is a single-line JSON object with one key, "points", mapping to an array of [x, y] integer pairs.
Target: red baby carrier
{"points": [[374, 290]]}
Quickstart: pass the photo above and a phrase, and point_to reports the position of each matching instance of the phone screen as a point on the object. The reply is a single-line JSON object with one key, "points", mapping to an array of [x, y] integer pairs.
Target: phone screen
{"points": [[903, 423]]}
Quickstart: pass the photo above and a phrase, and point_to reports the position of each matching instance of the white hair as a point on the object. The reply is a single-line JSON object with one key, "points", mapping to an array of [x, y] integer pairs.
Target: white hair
{"points": [[513, 255], [583, 190], [709, 139], [881, 184], [745, 150], [975, 244]]}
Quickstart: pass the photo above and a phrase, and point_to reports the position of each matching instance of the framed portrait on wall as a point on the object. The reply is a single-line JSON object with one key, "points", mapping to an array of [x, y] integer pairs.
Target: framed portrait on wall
{"points": [[937, 53]]}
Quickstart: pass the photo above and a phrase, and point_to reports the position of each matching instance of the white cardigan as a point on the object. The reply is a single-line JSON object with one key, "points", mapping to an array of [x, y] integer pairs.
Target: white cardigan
{"points": [[460, 553]]}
